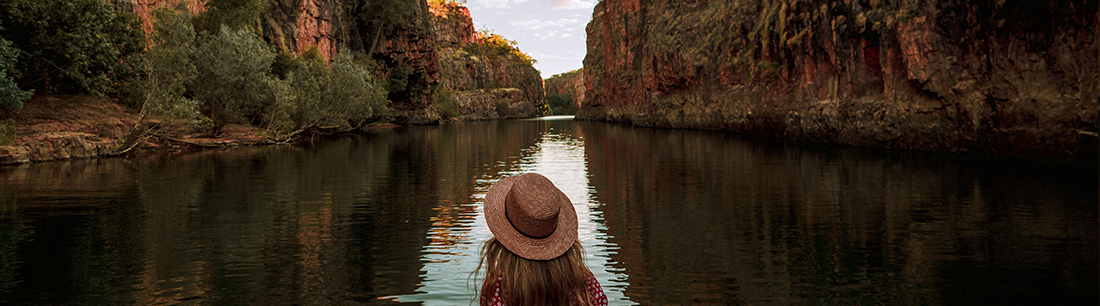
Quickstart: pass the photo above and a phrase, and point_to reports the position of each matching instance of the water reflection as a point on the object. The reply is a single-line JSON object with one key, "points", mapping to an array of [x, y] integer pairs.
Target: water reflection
{"points": [[559, 155], [717, 219], [667, 217]]}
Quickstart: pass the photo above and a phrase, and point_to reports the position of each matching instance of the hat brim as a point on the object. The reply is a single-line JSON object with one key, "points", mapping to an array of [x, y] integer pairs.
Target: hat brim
{"points": [[546, 248]]}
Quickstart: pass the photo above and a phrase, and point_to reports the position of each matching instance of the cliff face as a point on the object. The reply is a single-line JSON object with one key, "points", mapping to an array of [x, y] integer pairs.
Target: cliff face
{"points": [[1015, 78], [424, 47], [566, 88], [406, 47], [485, 83]]}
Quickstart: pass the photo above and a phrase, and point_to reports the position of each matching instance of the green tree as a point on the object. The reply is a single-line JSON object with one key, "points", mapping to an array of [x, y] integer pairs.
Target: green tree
{"points": [[234, 14], [233, 75], [389, 16], [11, 97], [337, 96], [73, 46], [170, 65], [561, 104]]}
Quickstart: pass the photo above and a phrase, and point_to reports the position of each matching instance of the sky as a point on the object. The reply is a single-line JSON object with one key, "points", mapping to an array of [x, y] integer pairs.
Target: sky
{"points": [[551, 31]]}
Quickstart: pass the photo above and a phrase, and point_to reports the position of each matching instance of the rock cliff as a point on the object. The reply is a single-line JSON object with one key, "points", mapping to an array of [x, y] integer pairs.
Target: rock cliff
{"points": [[425, 47], [1007, 77], [487, 80], [565, 91]]}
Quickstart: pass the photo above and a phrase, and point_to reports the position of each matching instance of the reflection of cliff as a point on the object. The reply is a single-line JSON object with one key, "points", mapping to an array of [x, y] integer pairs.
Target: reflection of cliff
{"points": [[345, 220], [712, 219], [1015, 77]]}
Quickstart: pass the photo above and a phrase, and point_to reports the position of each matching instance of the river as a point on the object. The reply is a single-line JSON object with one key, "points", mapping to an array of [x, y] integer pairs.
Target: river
{"points": [[667, 217]]}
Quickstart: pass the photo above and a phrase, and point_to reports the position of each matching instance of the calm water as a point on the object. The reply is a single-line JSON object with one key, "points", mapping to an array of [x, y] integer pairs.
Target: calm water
{"points": [[667, 217]]}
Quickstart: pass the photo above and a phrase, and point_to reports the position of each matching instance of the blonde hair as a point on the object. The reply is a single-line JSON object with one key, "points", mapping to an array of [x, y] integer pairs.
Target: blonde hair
{"points": [[559, 281]]}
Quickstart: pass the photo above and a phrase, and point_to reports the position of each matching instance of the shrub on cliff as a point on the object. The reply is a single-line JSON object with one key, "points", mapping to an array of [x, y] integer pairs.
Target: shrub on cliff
{"points": [[493, 45], [503, 109], [72, 46], [561, 104], [445, 103]]}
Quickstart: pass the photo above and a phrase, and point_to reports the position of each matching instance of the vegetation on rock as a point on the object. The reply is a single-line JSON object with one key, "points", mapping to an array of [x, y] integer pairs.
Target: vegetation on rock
{"points": [[564, 92], [1012, 77], [229, 77]]}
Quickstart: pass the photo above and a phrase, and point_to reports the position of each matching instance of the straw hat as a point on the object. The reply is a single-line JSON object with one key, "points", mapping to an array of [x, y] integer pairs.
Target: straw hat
{"points": [[531, 217]]}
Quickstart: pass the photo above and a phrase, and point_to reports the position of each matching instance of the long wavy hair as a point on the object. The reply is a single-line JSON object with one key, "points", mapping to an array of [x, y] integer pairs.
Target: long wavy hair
{"points": [[559, 281]]}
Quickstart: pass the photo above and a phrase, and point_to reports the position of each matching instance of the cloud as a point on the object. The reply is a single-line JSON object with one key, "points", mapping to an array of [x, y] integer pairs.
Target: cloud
{"points": [[573, 4], [495, 4], [538, 24], [546, 35]]}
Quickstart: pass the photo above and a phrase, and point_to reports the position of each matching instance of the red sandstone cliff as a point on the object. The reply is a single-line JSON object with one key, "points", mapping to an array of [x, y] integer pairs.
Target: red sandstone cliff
{"points": [[567, 86], [1008, 77], [484, 85], [425, 49]]}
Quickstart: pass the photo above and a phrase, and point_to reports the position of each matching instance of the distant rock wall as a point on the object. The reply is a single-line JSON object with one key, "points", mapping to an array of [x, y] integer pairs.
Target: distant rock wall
{"points": [[1007, 77], [482, 83], [569, 84]]}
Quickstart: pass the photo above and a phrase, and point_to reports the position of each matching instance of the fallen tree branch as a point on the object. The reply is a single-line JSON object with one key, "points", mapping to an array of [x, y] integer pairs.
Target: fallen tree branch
{"points": [[194, 143]]}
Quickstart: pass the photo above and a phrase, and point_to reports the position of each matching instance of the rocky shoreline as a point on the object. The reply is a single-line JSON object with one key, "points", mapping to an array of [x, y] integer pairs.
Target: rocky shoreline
{"points": [[55, 128]]}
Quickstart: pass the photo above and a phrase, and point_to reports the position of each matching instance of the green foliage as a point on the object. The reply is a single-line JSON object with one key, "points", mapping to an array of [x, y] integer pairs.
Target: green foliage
{"points": [[493, 45], [404, 82], [235, 14], [170, 65], [503, 109], [11, 97], [345, 92], [389, 14], [445, 103], [561, 104], [233, 75], [240, 78], [74, 46]]}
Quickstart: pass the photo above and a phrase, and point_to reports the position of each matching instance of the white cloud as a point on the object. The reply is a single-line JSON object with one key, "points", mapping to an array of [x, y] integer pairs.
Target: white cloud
{"points": [[494, 4], [573, 4], [491, 4], [538, 24], [546, 35]]}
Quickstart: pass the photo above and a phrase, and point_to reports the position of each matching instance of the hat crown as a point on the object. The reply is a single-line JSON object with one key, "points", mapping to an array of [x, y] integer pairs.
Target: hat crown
{"points": [[532, 206]]}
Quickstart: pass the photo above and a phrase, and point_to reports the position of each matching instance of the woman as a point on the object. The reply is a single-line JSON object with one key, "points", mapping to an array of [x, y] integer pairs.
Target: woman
{"points": [[534, 257]]}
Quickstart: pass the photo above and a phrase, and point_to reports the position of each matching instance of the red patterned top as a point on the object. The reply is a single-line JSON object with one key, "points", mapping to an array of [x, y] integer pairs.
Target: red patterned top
{"points": [[594, 290]]}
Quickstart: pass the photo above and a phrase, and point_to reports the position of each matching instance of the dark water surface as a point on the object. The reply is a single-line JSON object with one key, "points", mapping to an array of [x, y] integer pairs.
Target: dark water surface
{"points": [[668, 217]]}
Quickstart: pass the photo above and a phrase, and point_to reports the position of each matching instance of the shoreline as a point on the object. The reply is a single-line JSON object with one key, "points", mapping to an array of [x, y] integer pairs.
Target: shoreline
{"points": [[56, 128]]}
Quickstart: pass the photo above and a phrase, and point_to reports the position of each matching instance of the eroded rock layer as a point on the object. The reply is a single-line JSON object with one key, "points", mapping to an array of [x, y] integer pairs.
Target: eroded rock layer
{"points": [[1008, 77], [485, 85]]}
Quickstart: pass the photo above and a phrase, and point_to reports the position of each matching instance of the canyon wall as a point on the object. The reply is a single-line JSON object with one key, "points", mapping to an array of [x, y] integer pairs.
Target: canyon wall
{"points": [[422, 47], [484, 83], [567, 88], [1007, 77]]}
